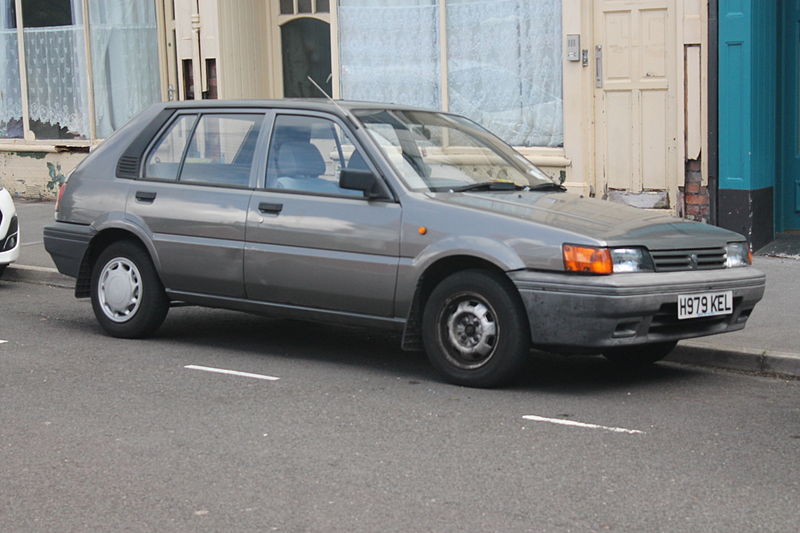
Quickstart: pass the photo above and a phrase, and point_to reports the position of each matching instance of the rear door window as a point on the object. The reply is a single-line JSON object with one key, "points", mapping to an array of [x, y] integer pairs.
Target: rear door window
{"points": [[221, 150]]}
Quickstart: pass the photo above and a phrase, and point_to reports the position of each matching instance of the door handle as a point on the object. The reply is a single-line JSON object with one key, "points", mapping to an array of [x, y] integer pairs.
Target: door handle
{"points": [[145, 196], [266, 207], [598, 66]]}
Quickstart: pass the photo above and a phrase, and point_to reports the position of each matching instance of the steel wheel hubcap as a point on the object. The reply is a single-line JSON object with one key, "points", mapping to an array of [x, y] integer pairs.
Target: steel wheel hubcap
{"points": [[119, 289], [471, 330]]}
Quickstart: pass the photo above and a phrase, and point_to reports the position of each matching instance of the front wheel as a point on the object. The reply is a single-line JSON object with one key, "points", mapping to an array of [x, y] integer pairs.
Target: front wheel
{"points": [[475, 329], [641, 355], [128, 298]]}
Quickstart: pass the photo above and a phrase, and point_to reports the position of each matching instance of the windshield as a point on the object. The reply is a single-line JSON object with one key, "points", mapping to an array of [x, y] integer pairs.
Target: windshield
{"points": [[439, 152]]}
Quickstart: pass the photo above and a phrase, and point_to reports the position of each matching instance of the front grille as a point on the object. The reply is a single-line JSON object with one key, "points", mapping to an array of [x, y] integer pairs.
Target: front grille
{"points": [[697, 259]]}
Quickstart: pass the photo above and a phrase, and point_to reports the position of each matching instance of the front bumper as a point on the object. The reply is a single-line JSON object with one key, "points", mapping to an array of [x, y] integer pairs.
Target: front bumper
{"points": [[9, 230], [590, 313]]}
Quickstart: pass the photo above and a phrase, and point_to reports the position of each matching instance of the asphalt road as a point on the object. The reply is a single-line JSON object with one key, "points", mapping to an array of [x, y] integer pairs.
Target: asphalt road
{"points": [[99, 434]]}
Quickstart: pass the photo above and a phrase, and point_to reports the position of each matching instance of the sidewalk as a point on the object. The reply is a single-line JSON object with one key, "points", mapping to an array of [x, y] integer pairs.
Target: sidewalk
{"points": [[770, 343]]}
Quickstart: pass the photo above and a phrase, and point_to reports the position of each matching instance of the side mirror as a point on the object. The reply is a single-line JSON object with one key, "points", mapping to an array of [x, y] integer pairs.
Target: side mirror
{"points": [[360, 180]]}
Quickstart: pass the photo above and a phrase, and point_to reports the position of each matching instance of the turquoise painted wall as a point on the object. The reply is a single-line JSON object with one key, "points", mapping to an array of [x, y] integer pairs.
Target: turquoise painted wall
{"points": [[748, 93]]}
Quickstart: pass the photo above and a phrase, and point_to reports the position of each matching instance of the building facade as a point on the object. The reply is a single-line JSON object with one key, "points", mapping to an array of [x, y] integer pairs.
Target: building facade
{"points": [[610, 94]]}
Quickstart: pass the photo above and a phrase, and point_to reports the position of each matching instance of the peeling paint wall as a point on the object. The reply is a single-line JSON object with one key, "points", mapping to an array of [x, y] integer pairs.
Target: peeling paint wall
{"points": [[26, 174]]}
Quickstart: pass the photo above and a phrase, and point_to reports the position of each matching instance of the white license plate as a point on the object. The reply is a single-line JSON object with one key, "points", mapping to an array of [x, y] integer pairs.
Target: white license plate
{"points": [[705, 304]]}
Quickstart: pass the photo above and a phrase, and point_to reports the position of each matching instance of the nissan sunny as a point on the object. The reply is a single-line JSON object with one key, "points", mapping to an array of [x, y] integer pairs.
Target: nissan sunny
{"points": [[384, 216]]}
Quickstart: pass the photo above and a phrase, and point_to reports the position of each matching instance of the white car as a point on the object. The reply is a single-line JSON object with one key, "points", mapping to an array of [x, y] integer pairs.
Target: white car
{"points": [[9, 231]]}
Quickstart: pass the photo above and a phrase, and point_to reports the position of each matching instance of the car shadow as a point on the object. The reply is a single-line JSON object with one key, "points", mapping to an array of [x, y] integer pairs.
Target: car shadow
{"points": [[380, 351]]}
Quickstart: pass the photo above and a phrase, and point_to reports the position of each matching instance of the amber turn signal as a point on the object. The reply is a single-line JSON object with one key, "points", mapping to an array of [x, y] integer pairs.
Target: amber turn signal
{"points": [[422, 230], [587, 260]]}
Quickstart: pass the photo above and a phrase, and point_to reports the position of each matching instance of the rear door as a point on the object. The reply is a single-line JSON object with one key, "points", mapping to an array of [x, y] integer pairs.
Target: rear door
{"points": [[311, 244], [193, 197]]}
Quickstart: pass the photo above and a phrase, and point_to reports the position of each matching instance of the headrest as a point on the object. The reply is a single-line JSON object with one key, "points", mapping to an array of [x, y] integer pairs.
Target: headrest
{"points": [[299, 159]]}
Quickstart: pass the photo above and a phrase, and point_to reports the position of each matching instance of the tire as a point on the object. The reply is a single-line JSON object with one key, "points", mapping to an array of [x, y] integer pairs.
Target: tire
{"points": [[475, 329], [2, 269], [641, 355], [127, 295]]}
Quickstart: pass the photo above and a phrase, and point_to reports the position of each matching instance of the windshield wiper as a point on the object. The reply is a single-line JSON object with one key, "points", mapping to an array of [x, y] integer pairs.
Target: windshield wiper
{"points": [[548, 186], [488, 186]]}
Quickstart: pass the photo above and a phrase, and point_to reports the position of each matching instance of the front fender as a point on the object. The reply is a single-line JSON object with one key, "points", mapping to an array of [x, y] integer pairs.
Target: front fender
{"points": [[485, 249]]}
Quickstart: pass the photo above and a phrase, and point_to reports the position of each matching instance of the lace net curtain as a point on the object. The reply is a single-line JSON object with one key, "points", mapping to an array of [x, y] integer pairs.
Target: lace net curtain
{"points": [[124, 53], [389, 51], [503, 61], [10, 96]]}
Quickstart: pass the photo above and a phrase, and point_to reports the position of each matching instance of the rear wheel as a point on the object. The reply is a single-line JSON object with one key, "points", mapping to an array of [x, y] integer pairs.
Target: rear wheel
{"points": [[641, 355], [475, 329], [127, 295]]}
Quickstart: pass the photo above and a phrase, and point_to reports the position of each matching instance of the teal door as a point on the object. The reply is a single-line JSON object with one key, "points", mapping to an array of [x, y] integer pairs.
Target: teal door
{"points": [[788, 186]]}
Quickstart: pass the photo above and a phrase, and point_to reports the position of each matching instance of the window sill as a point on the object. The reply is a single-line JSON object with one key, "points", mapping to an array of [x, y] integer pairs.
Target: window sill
{"points": [[545, 157], [47, 146]]}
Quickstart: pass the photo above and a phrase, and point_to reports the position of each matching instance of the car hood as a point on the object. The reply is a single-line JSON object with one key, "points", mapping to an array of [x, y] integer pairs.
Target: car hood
{"points": [[610, 223]]}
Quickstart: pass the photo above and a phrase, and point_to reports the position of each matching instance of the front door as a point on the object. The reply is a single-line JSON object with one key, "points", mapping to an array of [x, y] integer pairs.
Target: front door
{"points": [[788, 188], [635, 80], [311, 244]]}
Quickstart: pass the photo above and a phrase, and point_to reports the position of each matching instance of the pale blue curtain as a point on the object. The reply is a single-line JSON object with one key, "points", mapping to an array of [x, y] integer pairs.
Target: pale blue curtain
{"points": [[124, 60], [124, 65], [10, 95], [389, 51], [504, 67]]}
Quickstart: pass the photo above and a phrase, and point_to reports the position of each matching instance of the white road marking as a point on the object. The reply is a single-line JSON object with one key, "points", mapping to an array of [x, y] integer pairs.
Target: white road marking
{"points": [[563, 422], [2, 341], [231, 372]]}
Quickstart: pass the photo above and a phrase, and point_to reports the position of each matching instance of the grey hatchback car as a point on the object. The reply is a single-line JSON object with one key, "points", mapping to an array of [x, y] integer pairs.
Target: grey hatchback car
{"points": [[384, 216]]}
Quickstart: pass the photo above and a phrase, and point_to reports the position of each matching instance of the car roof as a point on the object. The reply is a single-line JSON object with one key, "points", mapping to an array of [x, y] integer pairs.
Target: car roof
{"points": [[309, 104]]}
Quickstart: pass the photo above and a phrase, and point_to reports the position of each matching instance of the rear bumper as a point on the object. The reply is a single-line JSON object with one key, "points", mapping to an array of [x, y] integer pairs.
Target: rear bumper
{"points": [[67, 243], [591, 313]]}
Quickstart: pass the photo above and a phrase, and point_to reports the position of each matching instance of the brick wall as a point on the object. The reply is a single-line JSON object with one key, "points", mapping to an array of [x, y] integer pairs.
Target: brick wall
{"points": [[694, 194]]}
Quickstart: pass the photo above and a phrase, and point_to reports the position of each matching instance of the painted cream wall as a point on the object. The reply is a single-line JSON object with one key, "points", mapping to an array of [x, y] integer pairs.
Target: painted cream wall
{"points": [[242, 68]]}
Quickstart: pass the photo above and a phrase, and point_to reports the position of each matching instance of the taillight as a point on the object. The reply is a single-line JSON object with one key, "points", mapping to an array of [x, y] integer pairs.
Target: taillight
{"points": [[60, 194]]}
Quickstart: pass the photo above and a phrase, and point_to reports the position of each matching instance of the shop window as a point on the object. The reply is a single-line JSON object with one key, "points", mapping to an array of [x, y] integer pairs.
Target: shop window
{"points": [[504, 68], [390, 55], [123, 69], [11, 101], [503, 61]]}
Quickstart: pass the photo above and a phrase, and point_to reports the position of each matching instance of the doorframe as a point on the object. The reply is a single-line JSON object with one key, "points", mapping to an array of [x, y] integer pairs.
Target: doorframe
{"points": [[676, 107], [276, 21]]}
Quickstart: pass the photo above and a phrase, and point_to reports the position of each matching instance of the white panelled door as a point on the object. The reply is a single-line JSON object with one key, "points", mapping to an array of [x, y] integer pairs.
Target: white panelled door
{"points": [[635, 86]]}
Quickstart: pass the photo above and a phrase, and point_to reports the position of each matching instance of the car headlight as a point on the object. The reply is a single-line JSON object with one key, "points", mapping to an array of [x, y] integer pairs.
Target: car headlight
{"points": [[631, 260], [737, 254], [592, 260]]}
